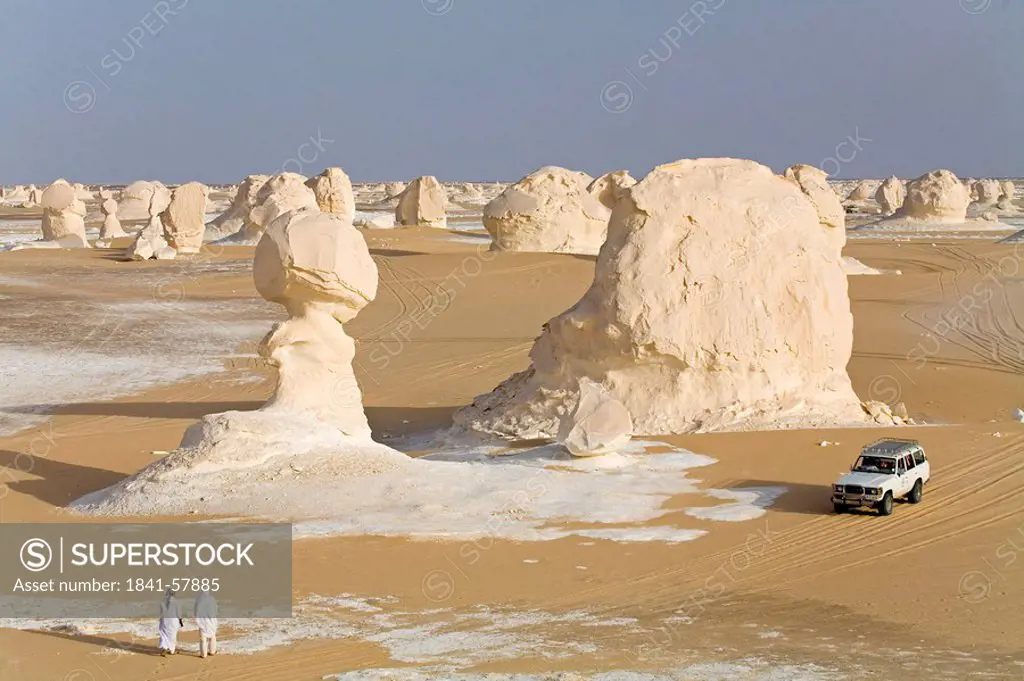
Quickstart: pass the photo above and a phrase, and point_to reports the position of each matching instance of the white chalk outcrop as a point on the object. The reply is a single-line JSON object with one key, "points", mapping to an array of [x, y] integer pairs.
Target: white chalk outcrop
{"points": [[424, 203], [183, 217], [813, 183], [890, 195], [937, 196], [233, 219], [379, 221], [151, 241], [111, 228], [610, 187], [63, 216], [861, 198], [135, 199], [318, 267], [719, 302], [597, 424], [333, 191], [281, 194], [551, 210]]}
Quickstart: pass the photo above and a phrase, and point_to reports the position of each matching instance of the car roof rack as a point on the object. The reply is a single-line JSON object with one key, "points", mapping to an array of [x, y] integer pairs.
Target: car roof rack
{"points": [[889, 445]]}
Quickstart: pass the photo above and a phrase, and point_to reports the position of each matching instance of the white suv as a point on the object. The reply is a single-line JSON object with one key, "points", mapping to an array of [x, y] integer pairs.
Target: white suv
{"points": [[887, 469]]}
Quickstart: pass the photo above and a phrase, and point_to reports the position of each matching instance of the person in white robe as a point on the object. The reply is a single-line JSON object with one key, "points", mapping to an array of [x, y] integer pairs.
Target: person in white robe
{"points": [[206, 620], [170, 623]]}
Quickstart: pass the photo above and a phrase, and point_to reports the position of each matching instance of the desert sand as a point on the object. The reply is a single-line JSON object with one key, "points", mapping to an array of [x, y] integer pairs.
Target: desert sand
{"points": [[744, 572]]}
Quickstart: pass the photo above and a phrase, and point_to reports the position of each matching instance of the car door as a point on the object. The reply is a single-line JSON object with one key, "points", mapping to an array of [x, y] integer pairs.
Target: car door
{"points": [[902, 477]]}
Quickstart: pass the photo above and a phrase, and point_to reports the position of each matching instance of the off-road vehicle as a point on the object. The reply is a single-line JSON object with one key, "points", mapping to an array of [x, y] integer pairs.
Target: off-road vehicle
{"points": [[886, 470]]}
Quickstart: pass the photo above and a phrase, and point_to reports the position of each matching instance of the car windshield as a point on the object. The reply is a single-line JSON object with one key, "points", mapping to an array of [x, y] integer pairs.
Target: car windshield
{"points": [[875, 464]]}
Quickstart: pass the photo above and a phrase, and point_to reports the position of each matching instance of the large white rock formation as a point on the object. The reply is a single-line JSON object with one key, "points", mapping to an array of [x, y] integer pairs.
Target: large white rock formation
{"points": [[719, 302], [937, 196], [423, 203], [551, 210], [281, 194], [135, 200], [890, 195], [63, 216], [233, 219], [183, 218], [111, 228], [333, 191], [151, 241], [318, 267]]}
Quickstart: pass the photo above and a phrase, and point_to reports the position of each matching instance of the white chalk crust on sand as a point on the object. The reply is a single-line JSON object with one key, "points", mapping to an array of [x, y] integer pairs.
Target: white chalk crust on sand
{"points": [[332, 486]]}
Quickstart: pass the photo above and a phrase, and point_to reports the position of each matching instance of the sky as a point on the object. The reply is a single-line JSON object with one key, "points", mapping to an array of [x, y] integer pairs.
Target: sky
{"points": [[111, 91]]}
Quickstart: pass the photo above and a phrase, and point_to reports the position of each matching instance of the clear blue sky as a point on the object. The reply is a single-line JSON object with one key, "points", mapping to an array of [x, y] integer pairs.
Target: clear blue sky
{"points": [[489, 89]]}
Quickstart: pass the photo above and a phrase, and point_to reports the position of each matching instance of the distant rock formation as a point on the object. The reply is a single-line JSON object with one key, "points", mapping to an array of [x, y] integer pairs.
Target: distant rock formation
{"points": [[333, 191], [423, 203], [552, 210], [63, 216], [183, 217], [233, 219], [890, 195]]}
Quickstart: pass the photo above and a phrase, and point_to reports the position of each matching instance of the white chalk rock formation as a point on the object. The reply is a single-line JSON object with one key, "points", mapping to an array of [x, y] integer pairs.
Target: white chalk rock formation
{"points": [[333, 191], [35, 197], [18, 194], [598, 424], [135, 200], [610, 187], [1008, 190], [63, 216], [183, 217], [890, 195], [381, 221], [423, 203], [151, 241], [937, 196], [706, 313], [82, 193], [813, 183], [111, 228], [986, 191], [318, 267], [393, 190], [550, 210], [281, 194], [233, 219], [862, 192]]}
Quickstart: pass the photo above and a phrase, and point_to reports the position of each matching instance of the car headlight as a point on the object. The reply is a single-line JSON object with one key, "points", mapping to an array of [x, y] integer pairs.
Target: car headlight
{"points": [[873, 491], [837, 488]]}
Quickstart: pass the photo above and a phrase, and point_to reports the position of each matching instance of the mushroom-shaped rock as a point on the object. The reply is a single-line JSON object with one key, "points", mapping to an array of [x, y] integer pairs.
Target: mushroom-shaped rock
{"points": [[63, 216], [183, 218], [937, 196], [319, 268], [423, 203], [890, 195], [333, 191], [707, 312], [610, 187], [233, 219], [598, 424], [813, 182], [111, 228], [548, 211]]}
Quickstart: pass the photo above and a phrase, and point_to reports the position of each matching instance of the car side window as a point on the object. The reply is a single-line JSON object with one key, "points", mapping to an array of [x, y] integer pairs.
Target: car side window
{"points": [[909, 460], [901, 467], [919, 456]]}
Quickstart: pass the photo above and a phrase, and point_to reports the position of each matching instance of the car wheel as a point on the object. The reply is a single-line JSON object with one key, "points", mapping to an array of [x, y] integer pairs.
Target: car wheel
{"points": [[915, 494], [838, 508], [885, 505]]}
